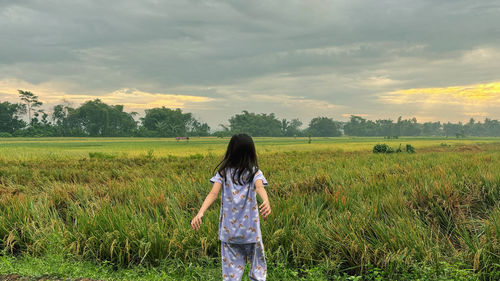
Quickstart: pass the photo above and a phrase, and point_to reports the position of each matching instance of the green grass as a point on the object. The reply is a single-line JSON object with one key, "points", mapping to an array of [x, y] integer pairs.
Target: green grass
{"points": [[26, 148], [67, 267], [338, 209]]}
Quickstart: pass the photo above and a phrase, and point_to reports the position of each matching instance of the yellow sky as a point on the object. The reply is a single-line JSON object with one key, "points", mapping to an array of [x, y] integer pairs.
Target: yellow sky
{"points": [[477, 94], [132, 99]]}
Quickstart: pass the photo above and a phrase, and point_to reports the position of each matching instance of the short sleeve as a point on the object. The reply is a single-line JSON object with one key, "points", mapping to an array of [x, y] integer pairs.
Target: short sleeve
{"points": [[216, 178], [259, 176]]}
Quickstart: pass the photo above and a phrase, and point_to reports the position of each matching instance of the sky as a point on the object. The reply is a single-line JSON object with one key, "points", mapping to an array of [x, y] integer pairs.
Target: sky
{"points": [[433, 60]]}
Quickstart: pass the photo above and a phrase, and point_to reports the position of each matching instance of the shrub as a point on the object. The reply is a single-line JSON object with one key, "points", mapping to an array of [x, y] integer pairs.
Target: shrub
{"points": [[382, 148], [5, 135], [399, 149], [410, 148]]}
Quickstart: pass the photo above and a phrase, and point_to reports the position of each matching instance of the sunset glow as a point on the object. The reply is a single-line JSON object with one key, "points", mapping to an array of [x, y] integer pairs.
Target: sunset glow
{"points": [[479, 94]]}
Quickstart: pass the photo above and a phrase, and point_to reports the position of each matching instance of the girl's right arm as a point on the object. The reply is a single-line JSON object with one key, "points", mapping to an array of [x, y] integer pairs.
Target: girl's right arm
{"points": [[196, 222], [265, 207]]}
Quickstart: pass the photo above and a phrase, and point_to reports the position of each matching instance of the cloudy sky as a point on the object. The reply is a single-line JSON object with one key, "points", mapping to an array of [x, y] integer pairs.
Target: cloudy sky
{"points": [[433, 60]]}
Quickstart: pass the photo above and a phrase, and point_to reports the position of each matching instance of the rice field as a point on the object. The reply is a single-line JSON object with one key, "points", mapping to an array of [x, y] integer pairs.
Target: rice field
{"points": [[336, 205]]}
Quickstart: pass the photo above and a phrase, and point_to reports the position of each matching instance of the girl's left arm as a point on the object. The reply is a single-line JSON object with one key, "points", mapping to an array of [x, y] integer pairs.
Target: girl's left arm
{"points": [[265, 207], [211, 197]]}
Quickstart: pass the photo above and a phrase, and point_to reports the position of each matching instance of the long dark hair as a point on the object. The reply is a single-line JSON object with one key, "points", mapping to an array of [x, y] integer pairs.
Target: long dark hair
{"points": [[241, 156]]}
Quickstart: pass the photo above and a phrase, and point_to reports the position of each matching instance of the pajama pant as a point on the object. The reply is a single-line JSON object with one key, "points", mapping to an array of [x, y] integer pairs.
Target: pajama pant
{"points": [[234, 257]]}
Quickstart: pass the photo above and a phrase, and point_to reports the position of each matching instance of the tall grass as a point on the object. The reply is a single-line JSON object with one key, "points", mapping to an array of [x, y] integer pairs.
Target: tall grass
{"points": [[349, 210]]}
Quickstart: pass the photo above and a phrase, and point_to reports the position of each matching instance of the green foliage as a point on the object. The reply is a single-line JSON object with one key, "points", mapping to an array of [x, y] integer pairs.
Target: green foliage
{"points": [[96, 118], [384, 148], [59, 266], [290, 128], [100, 155], [323, 127], [31, 102], [5, 135], [343, 212], [9, 117], [410, 148], [166, 122], [255, 124], [399, 149]]}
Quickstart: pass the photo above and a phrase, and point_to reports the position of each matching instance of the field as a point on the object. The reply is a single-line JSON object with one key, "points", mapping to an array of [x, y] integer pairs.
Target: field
{"points": [[122, 207]]}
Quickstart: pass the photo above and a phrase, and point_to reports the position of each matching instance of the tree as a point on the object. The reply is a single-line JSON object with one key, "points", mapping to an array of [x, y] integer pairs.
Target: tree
{"points": [[95, 118], [290, 128], [358, 126], [257, 125], [64, 125], [166, 122], [31, 101], [384, 128], [408, 127], [196, 128], [431, 129], [324, 127], [9, 117]]}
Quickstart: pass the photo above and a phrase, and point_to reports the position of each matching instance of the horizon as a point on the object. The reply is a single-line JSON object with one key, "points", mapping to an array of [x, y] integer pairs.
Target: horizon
{"points": [[432, 61]]}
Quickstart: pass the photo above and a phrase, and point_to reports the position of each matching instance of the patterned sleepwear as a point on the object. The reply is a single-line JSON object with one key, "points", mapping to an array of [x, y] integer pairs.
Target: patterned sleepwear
{"points": [[234, 257], [239, 227]]}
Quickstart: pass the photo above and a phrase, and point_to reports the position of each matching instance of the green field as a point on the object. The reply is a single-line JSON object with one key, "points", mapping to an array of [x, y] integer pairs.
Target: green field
{"points": [[124, 204]]}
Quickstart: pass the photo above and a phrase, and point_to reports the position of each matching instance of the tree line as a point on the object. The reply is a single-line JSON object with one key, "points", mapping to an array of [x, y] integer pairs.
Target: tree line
{"points": [[95, 118]]}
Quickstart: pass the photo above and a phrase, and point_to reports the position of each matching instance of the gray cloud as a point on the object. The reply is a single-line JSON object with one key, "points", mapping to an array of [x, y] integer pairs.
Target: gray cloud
{"points": [[342, 53]]}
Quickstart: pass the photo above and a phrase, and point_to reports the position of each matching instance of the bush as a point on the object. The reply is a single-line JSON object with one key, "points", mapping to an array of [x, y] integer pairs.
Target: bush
{"points": [[399, 149], [382, 148], [410, 149], [5, 135]]}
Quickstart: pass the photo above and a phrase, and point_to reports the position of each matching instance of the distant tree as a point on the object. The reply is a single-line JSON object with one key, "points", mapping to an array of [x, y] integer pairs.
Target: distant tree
{"points": [[66, 122], [196, 128], [30, 100], [166, 122], [291, 128], [324, 127], [384, 128], [225, 132], [408, 127], [451, 129], [9, 117], [256, 124], [491, 127], [358, 126], [95, 118], [432, 129]]}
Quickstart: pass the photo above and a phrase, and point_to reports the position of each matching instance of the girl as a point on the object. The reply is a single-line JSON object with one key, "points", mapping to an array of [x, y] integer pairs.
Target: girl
{"points": [[239, 228]]}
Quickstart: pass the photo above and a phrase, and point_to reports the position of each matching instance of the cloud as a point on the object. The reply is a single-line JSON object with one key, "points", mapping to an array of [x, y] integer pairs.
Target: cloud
{"points": [[348, 115], [479, 94], [299, 58], [132, 99], [454, 103]]}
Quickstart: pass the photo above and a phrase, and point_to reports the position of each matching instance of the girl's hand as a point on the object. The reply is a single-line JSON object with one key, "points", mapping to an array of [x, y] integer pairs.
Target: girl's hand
{"points": [[265, 209], [196, 222]]}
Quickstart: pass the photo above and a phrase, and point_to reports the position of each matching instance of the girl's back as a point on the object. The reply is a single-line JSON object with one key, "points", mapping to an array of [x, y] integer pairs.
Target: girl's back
{"points": [[239, 214], [240, 180]]}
